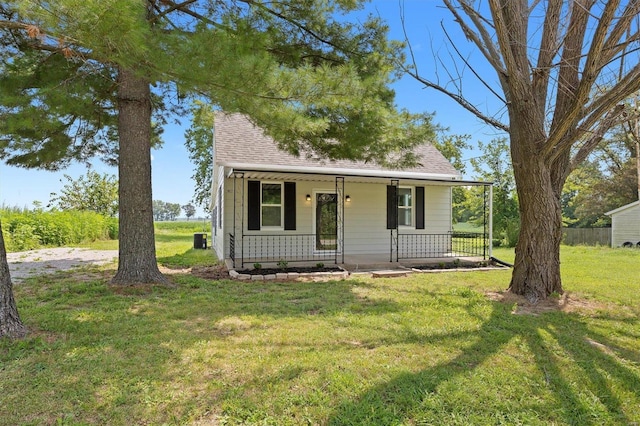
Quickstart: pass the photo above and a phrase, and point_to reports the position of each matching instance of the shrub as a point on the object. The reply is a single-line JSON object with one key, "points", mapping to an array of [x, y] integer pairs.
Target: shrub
{"points": [[27, 230], [113, 228], [22, 238], [512, 232]]}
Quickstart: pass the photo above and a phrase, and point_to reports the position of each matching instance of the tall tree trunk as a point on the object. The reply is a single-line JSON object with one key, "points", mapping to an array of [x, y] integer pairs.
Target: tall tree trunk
{"points": [[137, 255], [10, 323], [536, 270]]}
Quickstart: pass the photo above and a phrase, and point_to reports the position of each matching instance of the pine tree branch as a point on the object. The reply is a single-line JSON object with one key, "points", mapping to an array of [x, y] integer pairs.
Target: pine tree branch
{"points": [[298, 25]]}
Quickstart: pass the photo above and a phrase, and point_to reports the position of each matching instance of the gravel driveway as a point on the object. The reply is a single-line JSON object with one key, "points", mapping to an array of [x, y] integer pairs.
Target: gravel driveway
{"points": [[46, 261]]}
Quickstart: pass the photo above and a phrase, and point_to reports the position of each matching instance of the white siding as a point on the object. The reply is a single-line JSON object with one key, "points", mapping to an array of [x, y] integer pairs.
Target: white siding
{"points": [[228, 210], [625, 226], [366, 217]]}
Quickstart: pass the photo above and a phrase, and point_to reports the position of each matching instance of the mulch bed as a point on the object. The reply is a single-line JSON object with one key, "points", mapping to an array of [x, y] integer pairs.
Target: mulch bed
{"points": [[300, 270], [217, 272], [457, 265]]}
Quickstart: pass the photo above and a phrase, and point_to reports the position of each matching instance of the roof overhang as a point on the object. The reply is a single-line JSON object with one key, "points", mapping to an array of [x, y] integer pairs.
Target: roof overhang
{"points": [[619, 209], [275, 172]]}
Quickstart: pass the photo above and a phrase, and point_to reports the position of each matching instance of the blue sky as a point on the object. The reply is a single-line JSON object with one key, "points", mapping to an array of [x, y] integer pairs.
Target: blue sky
{"points": [[172, 170]]}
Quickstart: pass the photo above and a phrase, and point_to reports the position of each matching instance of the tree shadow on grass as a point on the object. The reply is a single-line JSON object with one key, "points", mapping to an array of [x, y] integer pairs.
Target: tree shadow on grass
{"points": [[114, 345], [553, 339], [121, 354]]}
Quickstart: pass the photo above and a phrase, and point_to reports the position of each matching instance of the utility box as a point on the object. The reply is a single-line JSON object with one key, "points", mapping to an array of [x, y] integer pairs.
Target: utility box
{"points": [[200, 240]]}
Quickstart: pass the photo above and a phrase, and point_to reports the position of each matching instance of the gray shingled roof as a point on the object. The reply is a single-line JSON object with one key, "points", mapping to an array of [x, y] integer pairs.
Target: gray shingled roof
{"points": [[239, 141]]}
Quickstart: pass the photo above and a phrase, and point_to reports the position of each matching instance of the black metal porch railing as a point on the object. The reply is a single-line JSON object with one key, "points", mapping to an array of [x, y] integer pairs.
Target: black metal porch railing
{"points": [[451, 244], [288, 248], [322, 248]]}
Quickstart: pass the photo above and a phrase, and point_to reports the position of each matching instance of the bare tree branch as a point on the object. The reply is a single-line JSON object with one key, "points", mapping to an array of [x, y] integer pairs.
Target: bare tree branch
{"points": [[484, 83], [604, 125], [514, 53], [612, 45], [549, 47], [569, 100], [459, 98], [484, 42], [595, 111]]}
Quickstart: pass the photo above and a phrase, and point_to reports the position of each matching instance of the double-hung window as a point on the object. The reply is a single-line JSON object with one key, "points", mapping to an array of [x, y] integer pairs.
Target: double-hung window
{"points": [[405, 206], [271, 205]]}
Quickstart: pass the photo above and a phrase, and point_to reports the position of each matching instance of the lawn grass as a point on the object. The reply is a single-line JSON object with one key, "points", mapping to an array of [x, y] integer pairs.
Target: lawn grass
{"points": [[174, 244], [425, 349]]}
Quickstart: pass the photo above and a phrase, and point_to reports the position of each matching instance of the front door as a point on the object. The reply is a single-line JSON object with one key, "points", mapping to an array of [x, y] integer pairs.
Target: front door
{"points": [[326, 218]]}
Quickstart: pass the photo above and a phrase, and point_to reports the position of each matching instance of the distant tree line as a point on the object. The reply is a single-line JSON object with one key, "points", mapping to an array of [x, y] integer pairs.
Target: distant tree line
{"points": [[99, 193], [165, 211]]}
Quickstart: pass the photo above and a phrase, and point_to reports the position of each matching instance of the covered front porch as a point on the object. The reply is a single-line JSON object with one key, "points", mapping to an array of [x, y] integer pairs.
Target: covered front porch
{"points": [[340, 219], [414, 248]]}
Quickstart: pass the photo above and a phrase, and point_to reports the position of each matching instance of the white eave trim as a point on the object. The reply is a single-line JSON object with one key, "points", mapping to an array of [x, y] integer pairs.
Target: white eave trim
{"points": [[230, 168]]}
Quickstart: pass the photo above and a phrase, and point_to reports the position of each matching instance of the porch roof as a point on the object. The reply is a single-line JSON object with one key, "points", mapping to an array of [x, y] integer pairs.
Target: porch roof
{"points": [[305, 173]]}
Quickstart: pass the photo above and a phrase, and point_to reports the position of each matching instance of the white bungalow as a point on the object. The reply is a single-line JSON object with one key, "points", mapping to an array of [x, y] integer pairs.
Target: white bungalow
{"points": [[269, 206], [625, 225]]}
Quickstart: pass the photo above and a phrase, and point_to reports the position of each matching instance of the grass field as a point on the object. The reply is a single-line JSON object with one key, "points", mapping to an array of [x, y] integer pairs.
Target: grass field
{"points": [[426, 349]]}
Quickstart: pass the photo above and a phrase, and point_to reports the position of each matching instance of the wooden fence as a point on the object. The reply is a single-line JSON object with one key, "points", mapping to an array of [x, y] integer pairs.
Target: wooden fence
{"points": [[587, 236]]}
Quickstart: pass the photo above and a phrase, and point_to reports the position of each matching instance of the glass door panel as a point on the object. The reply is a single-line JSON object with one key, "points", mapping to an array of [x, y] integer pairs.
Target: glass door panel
{"points": [[326, 221]]}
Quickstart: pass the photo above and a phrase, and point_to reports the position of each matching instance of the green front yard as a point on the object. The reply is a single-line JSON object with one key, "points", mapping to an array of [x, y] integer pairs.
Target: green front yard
{"points": [[427, 349]]}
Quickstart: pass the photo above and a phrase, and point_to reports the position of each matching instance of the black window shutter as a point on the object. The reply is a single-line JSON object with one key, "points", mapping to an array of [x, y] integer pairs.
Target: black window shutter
{"points": [[392, 207], [419, 207], [253, 205], [290, 206]]}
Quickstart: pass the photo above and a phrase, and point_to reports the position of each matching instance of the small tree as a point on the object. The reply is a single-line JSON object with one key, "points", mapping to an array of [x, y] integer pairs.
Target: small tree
{"points": [[93, 192], [495, 165], [189, 210], [199, 142]]}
